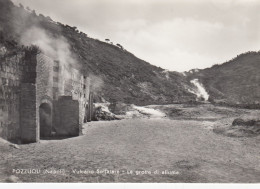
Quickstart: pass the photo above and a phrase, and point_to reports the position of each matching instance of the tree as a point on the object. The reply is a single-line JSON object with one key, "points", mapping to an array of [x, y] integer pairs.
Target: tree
{"points": [[48, 18], [120, 46], [33, 12], [21, 6], [41, 15]]}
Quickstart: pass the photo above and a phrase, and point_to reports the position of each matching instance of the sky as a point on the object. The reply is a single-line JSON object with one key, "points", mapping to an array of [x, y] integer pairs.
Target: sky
{"points": [[177, 35]]}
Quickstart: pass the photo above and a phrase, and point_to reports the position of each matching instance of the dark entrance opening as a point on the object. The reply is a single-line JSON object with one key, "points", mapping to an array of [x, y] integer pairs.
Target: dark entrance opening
{"points": [[45, 120]]}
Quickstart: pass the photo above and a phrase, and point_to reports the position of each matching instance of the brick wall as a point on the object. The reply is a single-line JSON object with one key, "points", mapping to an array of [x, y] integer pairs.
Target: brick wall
{"points": [[28, 122], [17, 88], [11, 73], [44, 79], [44, 87], [29, 130], [26, 82], [67, 117]]}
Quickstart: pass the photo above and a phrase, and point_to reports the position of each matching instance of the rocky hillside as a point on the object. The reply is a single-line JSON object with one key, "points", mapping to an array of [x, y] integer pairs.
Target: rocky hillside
{"points": [[235, 82], [117, 74]]}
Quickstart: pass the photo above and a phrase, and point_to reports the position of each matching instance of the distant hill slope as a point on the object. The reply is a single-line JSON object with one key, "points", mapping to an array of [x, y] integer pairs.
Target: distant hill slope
{"points": [[236, 81], [117, 75], [127, 78], [120, 75]]}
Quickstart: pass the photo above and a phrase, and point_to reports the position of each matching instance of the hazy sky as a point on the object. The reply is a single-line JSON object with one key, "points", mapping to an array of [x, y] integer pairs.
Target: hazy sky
{"points": [[177, 35]]}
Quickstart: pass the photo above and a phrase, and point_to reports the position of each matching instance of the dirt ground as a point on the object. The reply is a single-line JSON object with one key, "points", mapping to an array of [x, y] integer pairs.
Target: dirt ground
{"points": [[137, 150]]}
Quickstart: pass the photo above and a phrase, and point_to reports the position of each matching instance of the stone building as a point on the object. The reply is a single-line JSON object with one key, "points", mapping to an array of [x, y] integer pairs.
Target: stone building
{"points": [[40, 98]]}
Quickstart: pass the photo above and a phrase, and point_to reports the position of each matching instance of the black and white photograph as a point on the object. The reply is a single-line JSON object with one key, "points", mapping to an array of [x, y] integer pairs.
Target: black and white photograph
{"points": [[130, 91]]}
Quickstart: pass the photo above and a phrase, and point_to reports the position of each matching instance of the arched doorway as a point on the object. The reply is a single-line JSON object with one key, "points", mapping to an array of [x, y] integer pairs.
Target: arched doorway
{"points": [[45, 120]]}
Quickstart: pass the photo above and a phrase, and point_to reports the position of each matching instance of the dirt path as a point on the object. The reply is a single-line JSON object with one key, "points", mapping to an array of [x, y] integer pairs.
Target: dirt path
{"points": [[186, 151]]}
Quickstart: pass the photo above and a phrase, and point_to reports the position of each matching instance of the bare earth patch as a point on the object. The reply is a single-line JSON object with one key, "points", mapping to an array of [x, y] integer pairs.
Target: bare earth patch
{"points": [[138, 150]]}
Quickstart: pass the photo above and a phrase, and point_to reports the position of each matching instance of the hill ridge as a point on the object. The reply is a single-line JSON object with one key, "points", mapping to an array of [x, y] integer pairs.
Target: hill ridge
{"points": [[118, 75]]}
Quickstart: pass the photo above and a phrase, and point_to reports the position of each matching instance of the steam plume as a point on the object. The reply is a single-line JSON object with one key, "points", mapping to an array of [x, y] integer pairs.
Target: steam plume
{"points": [[201, 92]]}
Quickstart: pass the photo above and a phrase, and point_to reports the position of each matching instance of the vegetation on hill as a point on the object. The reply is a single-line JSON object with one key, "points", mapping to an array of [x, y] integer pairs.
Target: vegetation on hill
{"points": [[117, 75], [235, 82], [124, 77]]}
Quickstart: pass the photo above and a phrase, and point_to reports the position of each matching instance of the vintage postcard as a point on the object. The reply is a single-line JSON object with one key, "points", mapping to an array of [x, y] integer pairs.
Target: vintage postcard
{"points": [[132, 91]]}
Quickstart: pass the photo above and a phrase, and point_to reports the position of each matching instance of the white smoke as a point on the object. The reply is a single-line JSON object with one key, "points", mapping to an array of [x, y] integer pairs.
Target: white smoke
{"points": [[201, 91], [166, 72], [56, 48], [53, 45], [149, 111], [96, 83]]}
